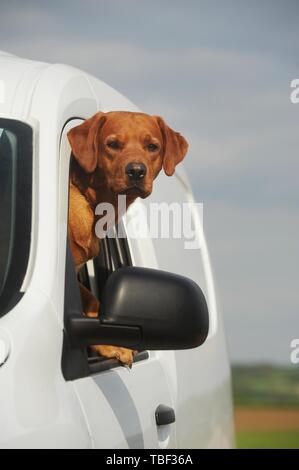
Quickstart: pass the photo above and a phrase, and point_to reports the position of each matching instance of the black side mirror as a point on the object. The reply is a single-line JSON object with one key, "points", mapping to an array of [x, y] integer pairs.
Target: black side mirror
{"points": [[145, 308]]}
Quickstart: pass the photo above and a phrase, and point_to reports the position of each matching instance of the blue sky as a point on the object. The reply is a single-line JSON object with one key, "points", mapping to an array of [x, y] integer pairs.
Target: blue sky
{"points": [[220, 73]]}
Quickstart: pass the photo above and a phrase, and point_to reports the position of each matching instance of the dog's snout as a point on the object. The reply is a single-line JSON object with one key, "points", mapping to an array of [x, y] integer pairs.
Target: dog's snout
{"points": [[135, 171]]}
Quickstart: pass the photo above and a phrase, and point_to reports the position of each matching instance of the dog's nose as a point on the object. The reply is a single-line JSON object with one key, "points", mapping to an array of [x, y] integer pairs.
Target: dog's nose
{"points": [[136, 171]]}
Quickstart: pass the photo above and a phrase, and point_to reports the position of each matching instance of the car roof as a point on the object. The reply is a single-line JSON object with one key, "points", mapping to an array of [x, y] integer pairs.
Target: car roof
{"points": [[18, 77]]}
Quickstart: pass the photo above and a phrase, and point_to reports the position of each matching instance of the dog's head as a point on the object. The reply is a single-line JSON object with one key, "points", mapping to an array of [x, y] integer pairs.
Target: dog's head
{"points": [[129, 148]]}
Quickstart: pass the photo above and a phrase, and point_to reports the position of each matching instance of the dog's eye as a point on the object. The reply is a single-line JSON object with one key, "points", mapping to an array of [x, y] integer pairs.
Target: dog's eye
{"points": [[113, 144], [152, 147]]}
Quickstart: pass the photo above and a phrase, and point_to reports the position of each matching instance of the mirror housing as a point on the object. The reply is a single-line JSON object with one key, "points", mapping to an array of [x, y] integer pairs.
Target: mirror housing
{"points": [[144, 308]]}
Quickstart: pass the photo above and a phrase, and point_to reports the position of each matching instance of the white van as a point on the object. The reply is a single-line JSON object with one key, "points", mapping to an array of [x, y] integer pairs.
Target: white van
{"points": [[53, 394]]}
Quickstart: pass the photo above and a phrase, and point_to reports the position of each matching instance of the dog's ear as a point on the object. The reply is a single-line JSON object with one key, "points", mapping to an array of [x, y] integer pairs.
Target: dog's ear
{"points": [[175, 147], [84, 141]]}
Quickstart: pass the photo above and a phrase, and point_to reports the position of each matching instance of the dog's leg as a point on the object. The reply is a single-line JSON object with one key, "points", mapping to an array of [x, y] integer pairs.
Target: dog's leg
{"points": [[91, 309], [90, 303], [123, 355]]}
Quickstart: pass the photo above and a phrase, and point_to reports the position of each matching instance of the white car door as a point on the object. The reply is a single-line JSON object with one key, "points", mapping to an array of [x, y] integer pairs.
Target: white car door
{"points": [[119, 404], [204, 414], [38, 409]]}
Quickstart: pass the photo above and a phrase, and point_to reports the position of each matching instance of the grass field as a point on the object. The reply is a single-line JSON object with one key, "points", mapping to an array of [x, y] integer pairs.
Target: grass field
{"points": [[267, 428], [268, 439], [266, 386], [266, 407]]}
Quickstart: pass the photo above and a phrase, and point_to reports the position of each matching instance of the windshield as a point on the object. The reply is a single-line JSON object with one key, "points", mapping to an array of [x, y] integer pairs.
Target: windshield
{"points": [[15, 208]]}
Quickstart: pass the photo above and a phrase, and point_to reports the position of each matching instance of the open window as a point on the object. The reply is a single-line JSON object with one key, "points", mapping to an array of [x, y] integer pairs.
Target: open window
{"points": [[114, 254]]}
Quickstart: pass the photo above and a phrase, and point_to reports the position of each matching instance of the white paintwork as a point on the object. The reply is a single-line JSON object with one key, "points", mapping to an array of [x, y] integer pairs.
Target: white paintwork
{"points": [[38, 408], [120, 395]]}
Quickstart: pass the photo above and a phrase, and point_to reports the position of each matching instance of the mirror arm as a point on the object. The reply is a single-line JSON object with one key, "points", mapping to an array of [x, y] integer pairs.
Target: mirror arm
{"points": [[84, 331]]}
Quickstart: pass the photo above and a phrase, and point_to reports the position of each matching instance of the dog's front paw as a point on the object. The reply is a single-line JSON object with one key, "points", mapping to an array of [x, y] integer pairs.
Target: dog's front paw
{"points": [[123, 355]]}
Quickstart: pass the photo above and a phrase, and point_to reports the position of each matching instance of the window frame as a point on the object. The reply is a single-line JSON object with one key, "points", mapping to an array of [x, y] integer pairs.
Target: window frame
{"points": [[12, 292], [76, 362]]}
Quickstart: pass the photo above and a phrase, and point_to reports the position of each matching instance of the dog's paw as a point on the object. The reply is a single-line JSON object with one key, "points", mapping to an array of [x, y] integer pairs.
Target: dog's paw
{"points": [[123, 355]]}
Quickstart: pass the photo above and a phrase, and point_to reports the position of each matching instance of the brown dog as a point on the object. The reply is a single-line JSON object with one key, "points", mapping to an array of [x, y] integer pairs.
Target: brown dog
{"points": [[114, 153]]}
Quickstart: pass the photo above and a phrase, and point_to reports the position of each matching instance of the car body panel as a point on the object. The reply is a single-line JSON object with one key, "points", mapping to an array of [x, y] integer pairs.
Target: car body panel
{"points": [[38, 408]]}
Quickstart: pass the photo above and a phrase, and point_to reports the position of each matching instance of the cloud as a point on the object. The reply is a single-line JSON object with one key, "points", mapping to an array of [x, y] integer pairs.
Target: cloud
{"points": [[259, 250], [220, 75], [23, 20], [127, 58]]}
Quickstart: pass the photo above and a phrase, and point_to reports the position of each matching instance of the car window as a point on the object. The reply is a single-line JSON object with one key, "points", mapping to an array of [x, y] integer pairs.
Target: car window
{"points": [[15, 208], [114, 254], [7, 192]]}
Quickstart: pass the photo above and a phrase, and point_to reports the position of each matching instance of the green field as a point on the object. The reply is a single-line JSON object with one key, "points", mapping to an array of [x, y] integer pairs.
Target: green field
{"points": [[268, 440], [274, 389], [266, 386]]}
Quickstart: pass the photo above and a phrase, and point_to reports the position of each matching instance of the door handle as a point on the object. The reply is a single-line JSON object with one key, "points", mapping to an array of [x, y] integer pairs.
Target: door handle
{"points": [[164, 415]]}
